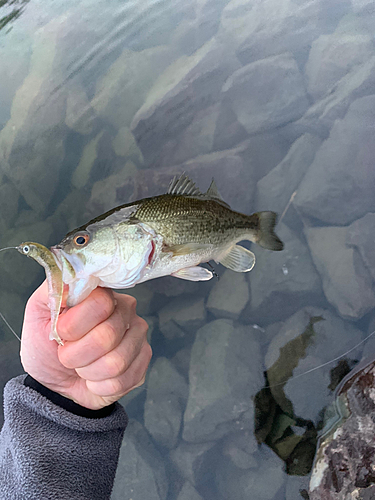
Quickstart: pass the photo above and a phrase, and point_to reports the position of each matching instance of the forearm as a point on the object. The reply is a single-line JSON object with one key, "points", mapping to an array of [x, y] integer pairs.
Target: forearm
{"points": [[47, 452]]}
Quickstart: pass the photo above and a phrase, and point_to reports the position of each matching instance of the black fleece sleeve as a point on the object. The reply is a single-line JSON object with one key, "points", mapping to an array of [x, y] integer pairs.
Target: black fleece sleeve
{"points": [[48, 452]]}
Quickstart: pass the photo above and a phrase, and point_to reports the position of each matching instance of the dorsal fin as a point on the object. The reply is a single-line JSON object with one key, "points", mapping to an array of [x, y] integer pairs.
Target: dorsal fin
{"points": [[213, 194], [183, 185]]}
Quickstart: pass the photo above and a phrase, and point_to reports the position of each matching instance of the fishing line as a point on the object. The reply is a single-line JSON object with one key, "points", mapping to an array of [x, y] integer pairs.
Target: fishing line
{"points": [[324, 364], [8, 325], [1, 315]]}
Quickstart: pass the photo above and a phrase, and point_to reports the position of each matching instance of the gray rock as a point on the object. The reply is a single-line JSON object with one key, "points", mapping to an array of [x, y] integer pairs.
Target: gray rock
{"points": [[229, 295], [233, 178], [188, 458], [240, 448], [346, 282], [260, 483], [363, 6], [140, 471], [122, 90], [225, 372], [166, 397], [275, 189], [82, 172], [80, 116], [190, 84], [294, 485], [124, 145], [9, 198], [345, 458], [321, 116], [183, 314], [188, 492], [332, 56], [360, 235], [277, 95], [282, 282], [308, 339], [261, 29], [338, 186]]}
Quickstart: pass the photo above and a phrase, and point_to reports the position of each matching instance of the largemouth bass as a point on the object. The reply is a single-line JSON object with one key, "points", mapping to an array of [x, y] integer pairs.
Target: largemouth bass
{"points": [[170, 234], [46, 258]]}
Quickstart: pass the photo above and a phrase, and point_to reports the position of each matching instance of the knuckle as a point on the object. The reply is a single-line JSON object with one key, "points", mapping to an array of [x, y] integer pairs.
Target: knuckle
{"points": [[105, 337], [115, 365]]}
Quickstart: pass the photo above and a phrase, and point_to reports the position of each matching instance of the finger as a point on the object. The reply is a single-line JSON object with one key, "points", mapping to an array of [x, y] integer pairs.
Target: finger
{"points": [[77, 321], [132, 378], [118, 360], [97, 343]]}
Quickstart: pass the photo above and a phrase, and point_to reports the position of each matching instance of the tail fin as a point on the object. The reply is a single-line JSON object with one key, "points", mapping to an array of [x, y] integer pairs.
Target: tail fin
{"points": [[267, 237]]}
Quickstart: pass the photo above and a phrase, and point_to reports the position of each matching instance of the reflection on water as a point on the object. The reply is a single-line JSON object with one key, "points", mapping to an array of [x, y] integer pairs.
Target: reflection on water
{"points": [[103, 103]]}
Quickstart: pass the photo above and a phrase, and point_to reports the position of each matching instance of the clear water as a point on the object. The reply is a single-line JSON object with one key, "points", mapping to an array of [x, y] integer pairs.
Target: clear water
{"points": [[102, 103]]}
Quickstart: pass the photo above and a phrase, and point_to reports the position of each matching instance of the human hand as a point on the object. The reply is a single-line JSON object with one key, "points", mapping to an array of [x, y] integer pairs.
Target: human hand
{"points": [[105, 353]]}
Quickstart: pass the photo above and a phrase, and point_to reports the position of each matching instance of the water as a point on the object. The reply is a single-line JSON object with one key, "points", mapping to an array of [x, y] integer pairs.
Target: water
{"points": [[104, 102]]}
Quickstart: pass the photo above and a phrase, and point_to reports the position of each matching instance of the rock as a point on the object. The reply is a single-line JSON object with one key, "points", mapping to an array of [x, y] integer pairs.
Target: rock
{"points": [[166, 397], [346, 283], [80, 116], [33, 136], [82, 172], [109, 193], [189, 85], [188, 458], [228, 131], [144, 295], [345, 457], [229, 295], [225, 371], [261, 29], [282, 282], [277, 95], [363, 6], [360, 236], [234, 179], [275, 189], [321, 116], [309, 338], [196, 139], [122, 90], [188, 492], [124, 145], [337, 188], [182, 315], [9, 199], [260, 483], [294, 485], [332, 56], [140, 471], [240, 448]]}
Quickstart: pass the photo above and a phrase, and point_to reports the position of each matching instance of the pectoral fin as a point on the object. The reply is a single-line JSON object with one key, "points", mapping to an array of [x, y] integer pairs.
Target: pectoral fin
{"points": [[193, 274], [239, 259]]}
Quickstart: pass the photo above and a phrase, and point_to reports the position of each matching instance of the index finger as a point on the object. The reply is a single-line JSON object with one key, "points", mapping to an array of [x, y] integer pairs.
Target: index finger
{"points": [[77, 321]]}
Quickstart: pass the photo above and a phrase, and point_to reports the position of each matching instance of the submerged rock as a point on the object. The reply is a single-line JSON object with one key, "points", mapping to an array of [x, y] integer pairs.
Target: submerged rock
{"points": [[187, 86], [345, 459], [332, 56], [225, 371], [181, 315], [166, 397], [309, 338], [277, 95], [346, 282], [275, 189], [282, 282], [360, 235], [189, 459], [338, 186], [140, 471], [188, 492], [229, 295]]}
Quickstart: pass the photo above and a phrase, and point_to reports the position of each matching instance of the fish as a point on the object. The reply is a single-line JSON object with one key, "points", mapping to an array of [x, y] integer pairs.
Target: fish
{"points": [[46, 258], [169, 234]]}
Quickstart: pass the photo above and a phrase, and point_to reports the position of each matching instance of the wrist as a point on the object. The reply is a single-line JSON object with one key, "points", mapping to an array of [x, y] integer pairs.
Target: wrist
{"points": [[66, 403]]}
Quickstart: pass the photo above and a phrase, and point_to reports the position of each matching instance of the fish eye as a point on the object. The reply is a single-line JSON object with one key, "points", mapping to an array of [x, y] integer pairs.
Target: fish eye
{"points": [[26, 249], [80, 240]]}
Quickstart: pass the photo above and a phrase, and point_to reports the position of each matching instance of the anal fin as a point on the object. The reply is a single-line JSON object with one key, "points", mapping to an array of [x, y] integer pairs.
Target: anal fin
{"points": [[239, 259], [195, 273]]}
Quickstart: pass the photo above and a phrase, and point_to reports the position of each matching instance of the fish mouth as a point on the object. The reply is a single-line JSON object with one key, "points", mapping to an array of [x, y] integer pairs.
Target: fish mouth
{"points": [[70, 265]]}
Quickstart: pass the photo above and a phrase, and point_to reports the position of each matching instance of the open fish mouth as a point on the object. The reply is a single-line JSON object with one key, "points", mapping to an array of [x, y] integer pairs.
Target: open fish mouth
{"points": [[70, 265]]}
